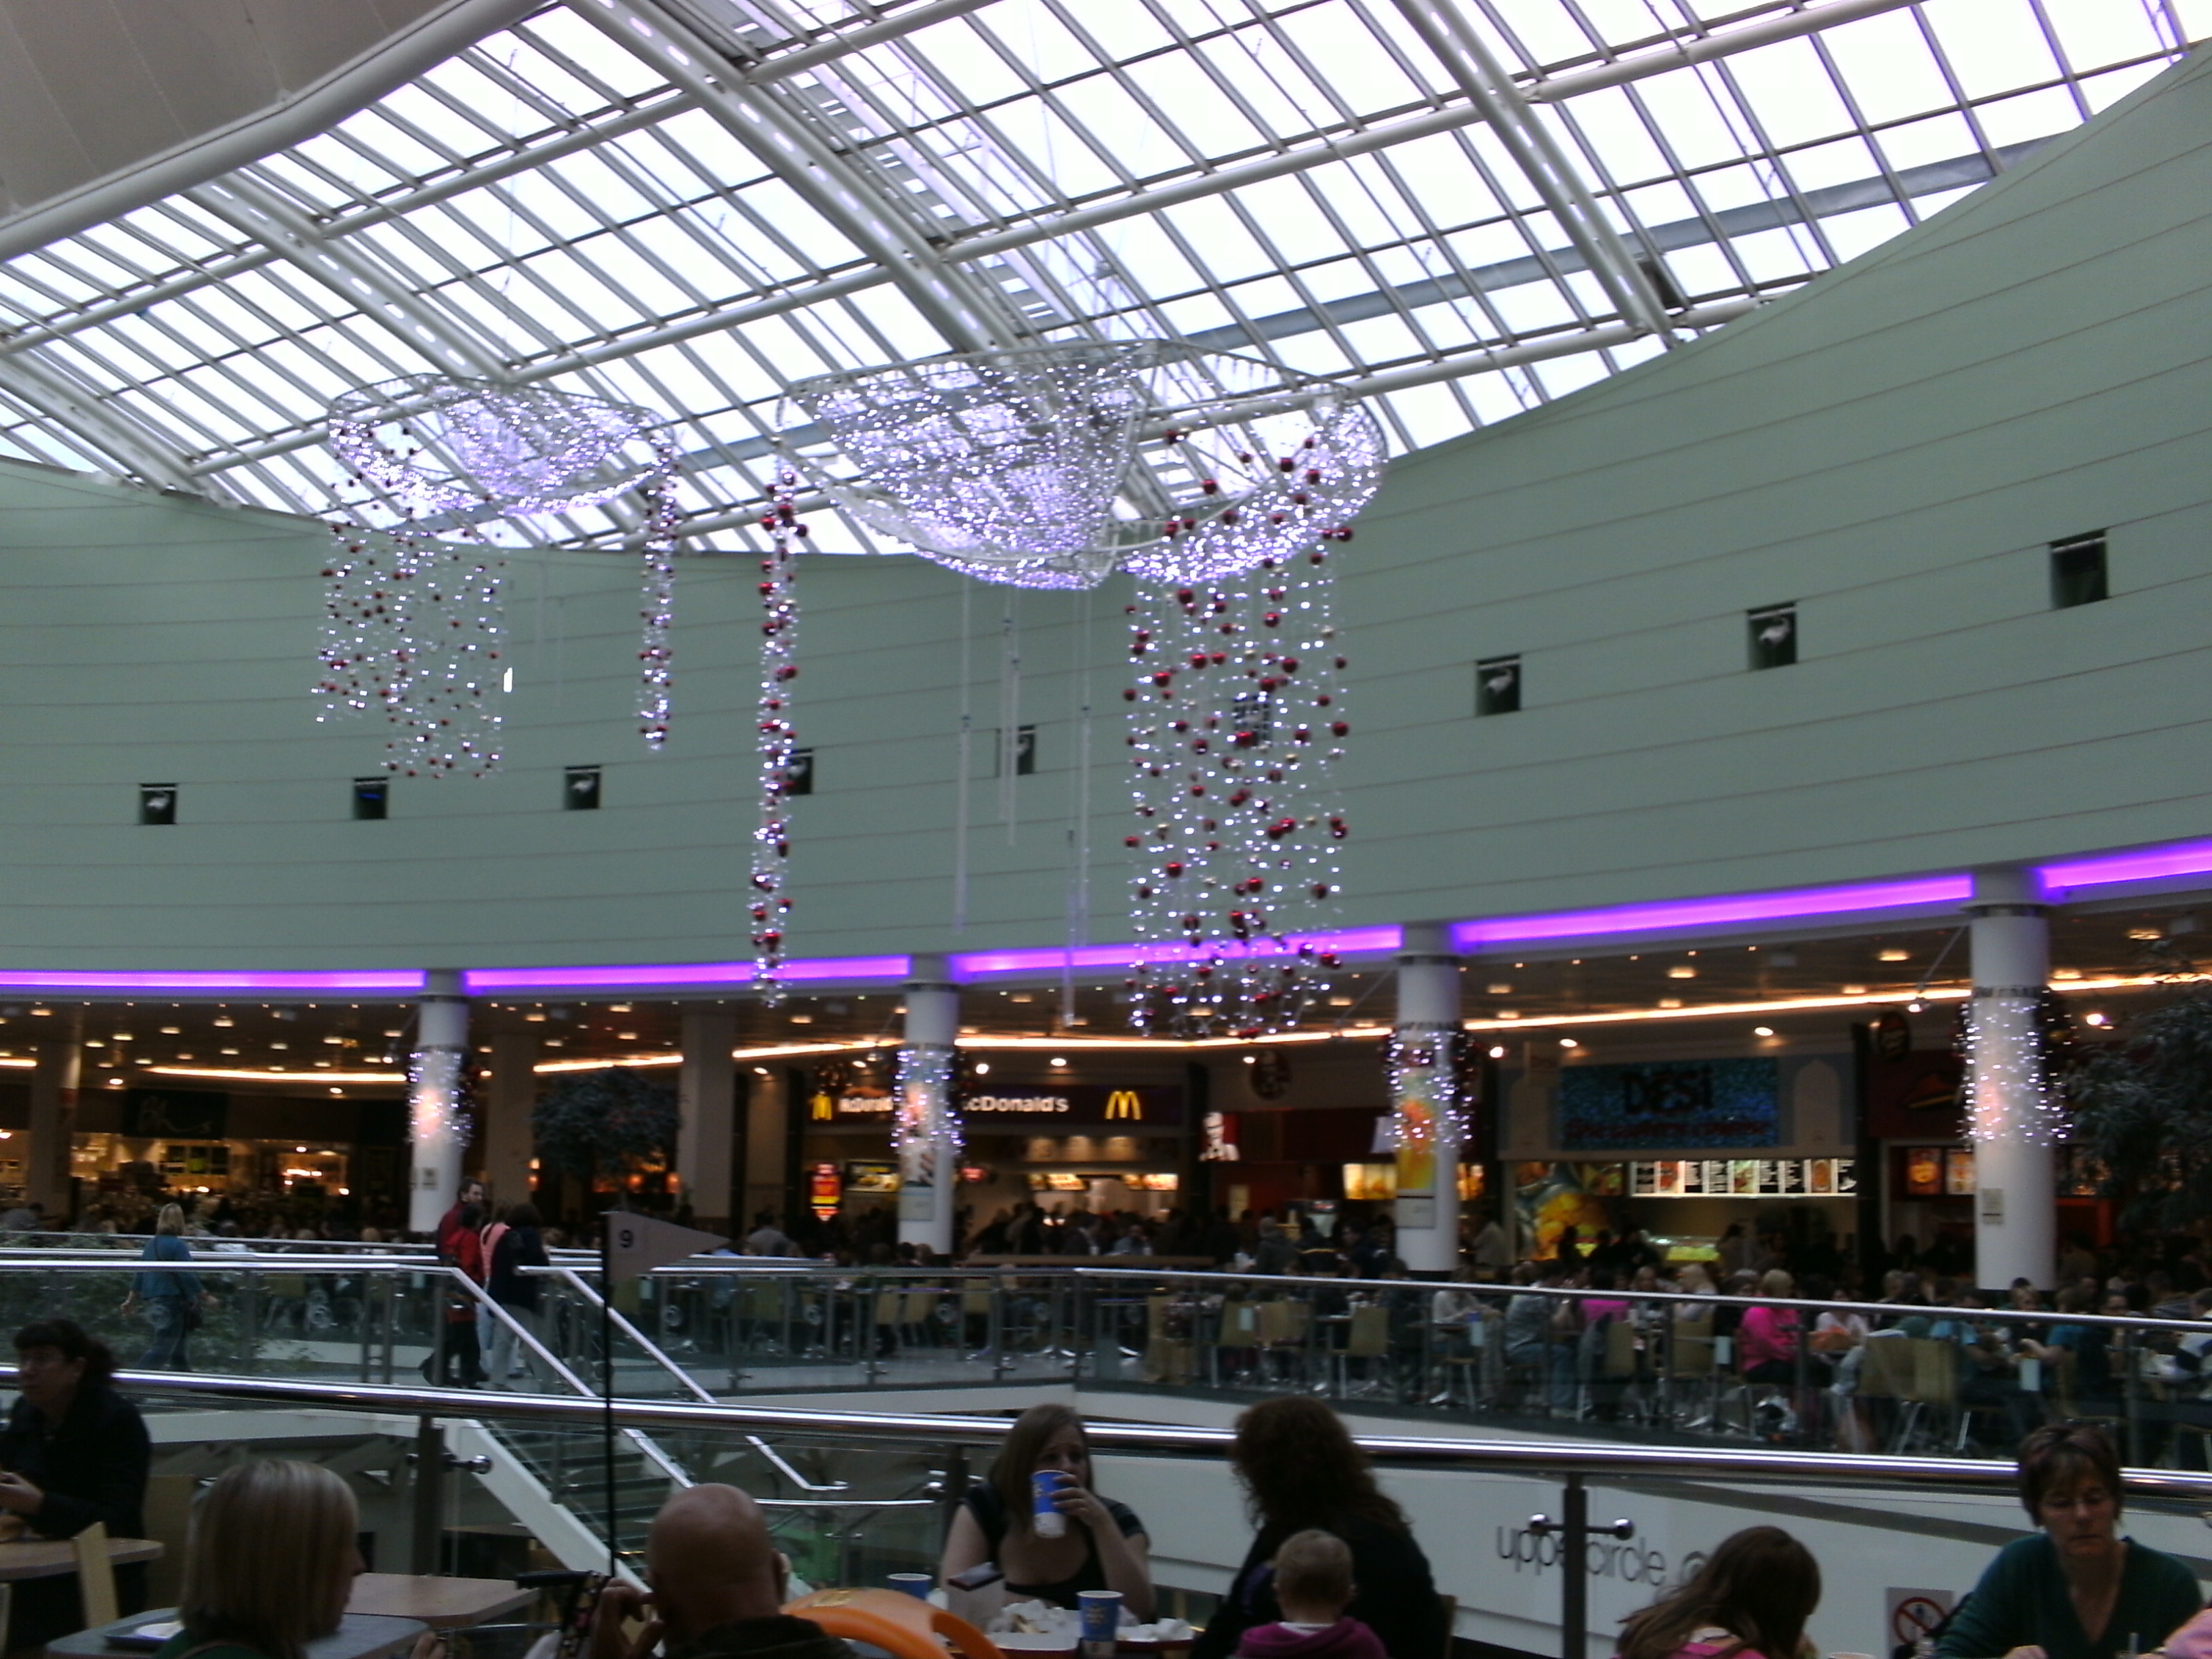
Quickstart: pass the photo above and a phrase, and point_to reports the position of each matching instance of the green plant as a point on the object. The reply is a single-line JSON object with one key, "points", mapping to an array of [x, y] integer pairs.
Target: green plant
{"points": [[2142, 1107], [604, 1123]]}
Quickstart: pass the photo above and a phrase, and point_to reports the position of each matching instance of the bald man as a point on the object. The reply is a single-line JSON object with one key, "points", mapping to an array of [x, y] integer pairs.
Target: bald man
{"points": [[718, 1585]]}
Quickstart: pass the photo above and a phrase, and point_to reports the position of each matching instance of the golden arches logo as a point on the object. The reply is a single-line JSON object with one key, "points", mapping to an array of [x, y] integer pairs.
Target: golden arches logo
{"points": [[825, 1108], [1124, 1103]]}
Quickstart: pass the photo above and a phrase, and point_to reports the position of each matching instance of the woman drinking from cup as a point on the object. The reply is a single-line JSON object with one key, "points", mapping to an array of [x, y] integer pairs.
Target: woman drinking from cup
{"points": [[1041, 1520]]}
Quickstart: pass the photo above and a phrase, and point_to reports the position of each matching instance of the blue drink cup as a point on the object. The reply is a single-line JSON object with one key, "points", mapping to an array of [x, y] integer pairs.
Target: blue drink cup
{"points": [[1102, 1619], [1045, 1518], [916, 1584]]}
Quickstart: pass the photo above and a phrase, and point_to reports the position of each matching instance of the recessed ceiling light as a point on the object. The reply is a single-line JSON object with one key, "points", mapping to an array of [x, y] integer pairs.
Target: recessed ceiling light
{"points": [[1498, 1052], [627, 1036], [2095, 1018], [802, 1020], [1762, 1030], [1895, 955], [225, 1019], [173, 1030], [617, 1007], [1681, 970], [2065, 973], [1057, 1061], [1498, 990], [1569, 1042], [1854, 990], [1670, 1002]]}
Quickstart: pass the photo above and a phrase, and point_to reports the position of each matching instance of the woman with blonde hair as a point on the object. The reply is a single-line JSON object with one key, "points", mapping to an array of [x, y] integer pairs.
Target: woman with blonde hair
{"points": [[269, 1563], [173, 1298]]}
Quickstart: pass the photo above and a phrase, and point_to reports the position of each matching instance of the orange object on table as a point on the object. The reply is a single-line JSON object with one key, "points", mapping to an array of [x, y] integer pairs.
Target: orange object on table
{"points": [[899, 1624]]}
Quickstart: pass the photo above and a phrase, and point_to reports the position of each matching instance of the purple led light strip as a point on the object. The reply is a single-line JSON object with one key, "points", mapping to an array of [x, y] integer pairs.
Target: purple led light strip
{"points": [[393, 982], [688, 975], [2188, 858], [1474, 937], [2193, 857]]}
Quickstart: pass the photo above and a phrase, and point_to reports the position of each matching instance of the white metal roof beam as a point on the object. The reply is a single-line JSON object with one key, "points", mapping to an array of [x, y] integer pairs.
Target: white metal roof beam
{"points": [[94, 422], [1551, 89], [910, 20], [1462, 51], [257, 211], [953, 304]]}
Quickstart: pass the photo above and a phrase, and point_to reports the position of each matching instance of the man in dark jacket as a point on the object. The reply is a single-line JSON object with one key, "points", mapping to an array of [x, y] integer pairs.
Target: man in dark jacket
{"points": [[719, 1586]]}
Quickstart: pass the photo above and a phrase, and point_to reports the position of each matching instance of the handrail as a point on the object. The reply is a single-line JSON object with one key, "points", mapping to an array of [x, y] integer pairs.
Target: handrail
{"points": [[1595, 1459], [692, 1385], [770, 1267], [219, 1259]]}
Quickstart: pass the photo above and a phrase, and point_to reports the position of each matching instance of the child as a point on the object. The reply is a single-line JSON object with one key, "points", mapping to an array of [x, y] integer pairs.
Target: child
{"points": [[1313, 1587]]}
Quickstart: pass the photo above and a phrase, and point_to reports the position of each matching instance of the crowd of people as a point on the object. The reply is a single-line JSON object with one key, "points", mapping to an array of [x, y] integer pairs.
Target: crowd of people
{"points": [[1333, 1569]]}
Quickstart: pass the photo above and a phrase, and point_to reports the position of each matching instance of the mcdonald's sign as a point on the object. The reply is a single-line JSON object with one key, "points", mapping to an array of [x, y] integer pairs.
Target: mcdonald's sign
{"points": [[823, 1108], [1062, 1106]]}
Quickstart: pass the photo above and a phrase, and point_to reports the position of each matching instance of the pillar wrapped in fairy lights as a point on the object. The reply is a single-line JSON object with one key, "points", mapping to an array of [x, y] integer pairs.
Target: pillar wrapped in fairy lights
{"points": [[436, 1132], [1427, 1119], [926, 1119], [2014, 1114]]}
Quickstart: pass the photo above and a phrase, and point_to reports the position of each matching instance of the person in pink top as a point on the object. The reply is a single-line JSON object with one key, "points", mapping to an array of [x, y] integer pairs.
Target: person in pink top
{"points": [[1313, 1587], [1767, 1340], [1749, 1601]]}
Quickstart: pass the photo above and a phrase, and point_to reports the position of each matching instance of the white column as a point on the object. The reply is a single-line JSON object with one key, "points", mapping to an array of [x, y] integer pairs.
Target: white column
{"points": [[707, 1103], [1423, 1111], [767, 1135], [927, 1129], [2009, 1110], [508, 1142], [53, 1124], [434, 1079]]}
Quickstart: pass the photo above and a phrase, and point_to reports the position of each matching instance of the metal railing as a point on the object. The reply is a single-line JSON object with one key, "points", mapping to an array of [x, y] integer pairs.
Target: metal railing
{"points": [[1937, 1380], [1577, 1467]]}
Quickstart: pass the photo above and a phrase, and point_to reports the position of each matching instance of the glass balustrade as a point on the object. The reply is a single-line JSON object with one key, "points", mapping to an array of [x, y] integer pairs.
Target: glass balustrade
{"points": [[853, 1496], [1919, 1381]]}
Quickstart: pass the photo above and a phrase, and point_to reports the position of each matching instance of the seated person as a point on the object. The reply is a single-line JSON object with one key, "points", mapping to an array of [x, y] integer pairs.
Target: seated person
{"points": [[718, 1590], [1749, 1601], [74, 1451], [1103, 1544], [270, 1561], [1313, 1587], [2074, 1589]]}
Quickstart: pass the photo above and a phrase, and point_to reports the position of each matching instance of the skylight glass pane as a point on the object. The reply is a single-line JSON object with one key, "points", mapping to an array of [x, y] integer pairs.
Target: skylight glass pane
{"points": [[1341, 266]]}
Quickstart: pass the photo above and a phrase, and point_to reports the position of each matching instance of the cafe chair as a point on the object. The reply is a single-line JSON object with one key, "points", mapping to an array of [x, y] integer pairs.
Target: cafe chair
{"points": [[1367, 1339], [1237, 1339], [95, 1576], [903, 1626]]}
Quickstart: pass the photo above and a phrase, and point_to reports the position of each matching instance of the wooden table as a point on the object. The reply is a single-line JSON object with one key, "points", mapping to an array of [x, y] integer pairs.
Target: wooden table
{"points": [[441, 1603], [51, 1558], [359, 1636]]}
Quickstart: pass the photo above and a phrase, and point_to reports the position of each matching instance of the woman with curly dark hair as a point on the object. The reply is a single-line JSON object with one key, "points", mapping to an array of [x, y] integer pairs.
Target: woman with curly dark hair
{"points": [[1301, 1470]]}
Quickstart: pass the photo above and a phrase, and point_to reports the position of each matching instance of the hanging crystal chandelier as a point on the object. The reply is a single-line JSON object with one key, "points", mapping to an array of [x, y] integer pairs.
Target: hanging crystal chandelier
{"points": [[1053, 465], [413, 621], [1221, 483]]}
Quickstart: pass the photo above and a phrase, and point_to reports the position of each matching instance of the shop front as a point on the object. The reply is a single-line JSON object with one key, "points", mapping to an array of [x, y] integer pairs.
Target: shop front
{"points": [[343, 1157], [1687, 1149], [1117, 1144]]}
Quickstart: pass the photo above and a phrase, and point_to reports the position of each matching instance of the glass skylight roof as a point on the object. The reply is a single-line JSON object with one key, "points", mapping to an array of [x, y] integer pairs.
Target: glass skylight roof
{"points": [[1467, 206]]}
